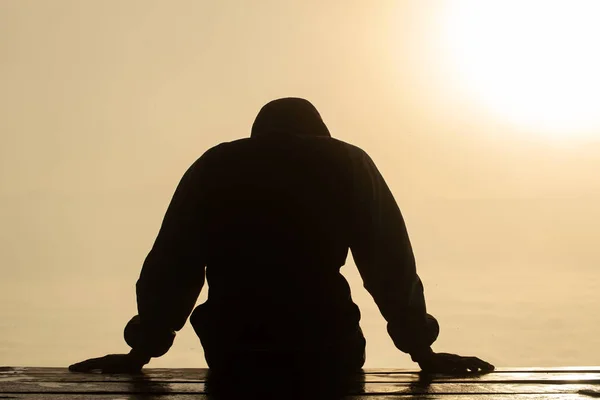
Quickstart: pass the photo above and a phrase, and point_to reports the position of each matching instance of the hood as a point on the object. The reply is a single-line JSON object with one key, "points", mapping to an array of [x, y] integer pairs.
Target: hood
{"points": [[289, 116]]}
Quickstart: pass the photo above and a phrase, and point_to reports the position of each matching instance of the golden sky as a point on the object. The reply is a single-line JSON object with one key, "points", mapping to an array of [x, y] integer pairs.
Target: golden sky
{"points": [[104, 104]]}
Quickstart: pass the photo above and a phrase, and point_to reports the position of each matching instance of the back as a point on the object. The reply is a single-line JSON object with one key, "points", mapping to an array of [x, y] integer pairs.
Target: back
{"points": [[276, 220]]}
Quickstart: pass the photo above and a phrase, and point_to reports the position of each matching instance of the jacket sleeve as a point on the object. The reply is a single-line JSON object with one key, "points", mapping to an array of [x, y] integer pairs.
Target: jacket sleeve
{"points": [[173, 273], [383, 254]]}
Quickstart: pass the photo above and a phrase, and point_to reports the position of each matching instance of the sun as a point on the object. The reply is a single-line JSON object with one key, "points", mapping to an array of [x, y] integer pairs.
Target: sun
{"points": [[535, 62]]}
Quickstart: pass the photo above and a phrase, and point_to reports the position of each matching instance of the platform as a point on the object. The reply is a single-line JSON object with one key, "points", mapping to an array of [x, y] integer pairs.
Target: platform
{"points": [[374, 384]]}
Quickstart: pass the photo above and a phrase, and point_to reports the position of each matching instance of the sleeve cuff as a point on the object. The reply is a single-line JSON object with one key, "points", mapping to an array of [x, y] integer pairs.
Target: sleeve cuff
{"points": [[148, 341], [421, 354], [140, 356]]}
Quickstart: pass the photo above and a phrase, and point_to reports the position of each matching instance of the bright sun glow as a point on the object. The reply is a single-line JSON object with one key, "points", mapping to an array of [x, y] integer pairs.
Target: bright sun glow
{"points": [[536, 62]]}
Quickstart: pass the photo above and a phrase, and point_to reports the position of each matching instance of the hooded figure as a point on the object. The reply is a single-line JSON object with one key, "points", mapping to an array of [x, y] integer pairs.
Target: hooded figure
{"points": [[268, 221]]}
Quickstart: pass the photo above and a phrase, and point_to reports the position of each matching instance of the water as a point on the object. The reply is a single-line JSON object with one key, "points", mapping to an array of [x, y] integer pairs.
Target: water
{"points": [[547, 319]]}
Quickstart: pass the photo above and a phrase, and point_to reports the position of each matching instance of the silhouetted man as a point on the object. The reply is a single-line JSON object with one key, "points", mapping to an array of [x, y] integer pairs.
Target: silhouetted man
{"points": [[268, 221]]}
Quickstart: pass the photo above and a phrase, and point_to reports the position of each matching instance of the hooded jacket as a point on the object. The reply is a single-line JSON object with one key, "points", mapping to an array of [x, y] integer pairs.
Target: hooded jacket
{"points": [[267, 222]]}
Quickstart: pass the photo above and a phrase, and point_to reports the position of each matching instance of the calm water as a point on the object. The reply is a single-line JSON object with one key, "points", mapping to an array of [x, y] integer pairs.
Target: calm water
{"points": [[513, 316]]}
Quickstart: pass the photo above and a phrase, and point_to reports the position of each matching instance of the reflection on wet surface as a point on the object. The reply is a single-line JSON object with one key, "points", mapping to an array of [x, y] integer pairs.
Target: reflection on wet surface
{"points": [[180, 384]]}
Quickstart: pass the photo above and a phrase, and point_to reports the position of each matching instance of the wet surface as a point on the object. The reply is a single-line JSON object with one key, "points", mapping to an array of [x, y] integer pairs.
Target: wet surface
{"points": [[55, 383]]}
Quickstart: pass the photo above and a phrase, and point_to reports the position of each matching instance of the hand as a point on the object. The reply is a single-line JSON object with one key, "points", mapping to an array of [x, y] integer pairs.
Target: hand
{"points": [[453, 364], [111, 364]]}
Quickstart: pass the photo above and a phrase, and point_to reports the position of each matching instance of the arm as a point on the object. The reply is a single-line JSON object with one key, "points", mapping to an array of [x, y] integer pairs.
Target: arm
{"points": [[169, 284], [383, 254], [173, 273]]}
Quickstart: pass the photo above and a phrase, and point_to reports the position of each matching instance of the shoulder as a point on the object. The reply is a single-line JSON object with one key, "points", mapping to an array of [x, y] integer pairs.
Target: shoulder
{"points": [[225, 148], [353, 150], [358, 157], [219, 152]]}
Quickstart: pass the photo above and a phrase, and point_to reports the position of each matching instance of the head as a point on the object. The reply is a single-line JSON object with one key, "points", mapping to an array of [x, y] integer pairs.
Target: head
{"points": [[289, 116]]}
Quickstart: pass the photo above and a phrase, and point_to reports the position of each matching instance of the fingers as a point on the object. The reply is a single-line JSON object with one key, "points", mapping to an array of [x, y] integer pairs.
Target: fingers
{"points": [[475, 364], [87, 365], [480, 364], [109, 364], [455, 364]]}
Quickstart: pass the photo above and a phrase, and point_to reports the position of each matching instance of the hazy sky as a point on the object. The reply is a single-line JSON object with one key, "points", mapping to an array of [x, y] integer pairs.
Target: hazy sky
{"points": [[104, 104]]}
